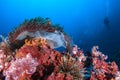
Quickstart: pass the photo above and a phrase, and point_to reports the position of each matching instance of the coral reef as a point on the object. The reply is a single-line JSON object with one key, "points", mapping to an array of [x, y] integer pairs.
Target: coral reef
{"points": [[29, 54]]}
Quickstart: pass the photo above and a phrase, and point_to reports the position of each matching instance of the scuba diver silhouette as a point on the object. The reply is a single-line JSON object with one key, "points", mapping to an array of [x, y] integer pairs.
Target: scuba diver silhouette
{"points": [[107, 22]]}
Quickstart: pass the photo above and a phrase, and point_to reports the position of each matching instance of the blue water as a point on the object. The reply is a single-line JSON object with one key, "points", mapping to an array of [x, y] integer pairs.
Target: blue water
{"points": [[83, 20]]}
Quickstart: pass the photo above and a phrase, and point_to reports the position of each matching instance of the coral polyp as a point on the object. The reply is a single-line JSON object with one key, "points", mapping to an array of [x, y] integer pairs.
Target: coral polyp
{"points": [[33, 42]]}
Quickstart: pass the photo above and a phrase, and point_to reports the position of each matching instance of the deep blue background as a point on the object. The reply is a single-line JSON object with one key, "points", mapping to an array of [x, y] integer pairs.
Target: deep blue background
{"points": [[82, 19]]}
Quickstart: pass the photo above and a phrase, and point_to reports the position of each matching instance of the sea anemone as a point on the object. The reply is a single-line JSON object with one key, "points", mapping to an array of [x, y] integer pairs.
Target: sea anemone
{"points": [[36, 28]]}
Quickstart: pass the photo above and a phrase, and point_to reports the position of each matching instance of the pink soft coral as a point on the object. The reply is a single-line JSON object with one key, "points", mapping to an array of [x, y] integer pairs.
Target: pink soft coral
{"points": [[101, 69], [2, 59], [19, 68]]}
